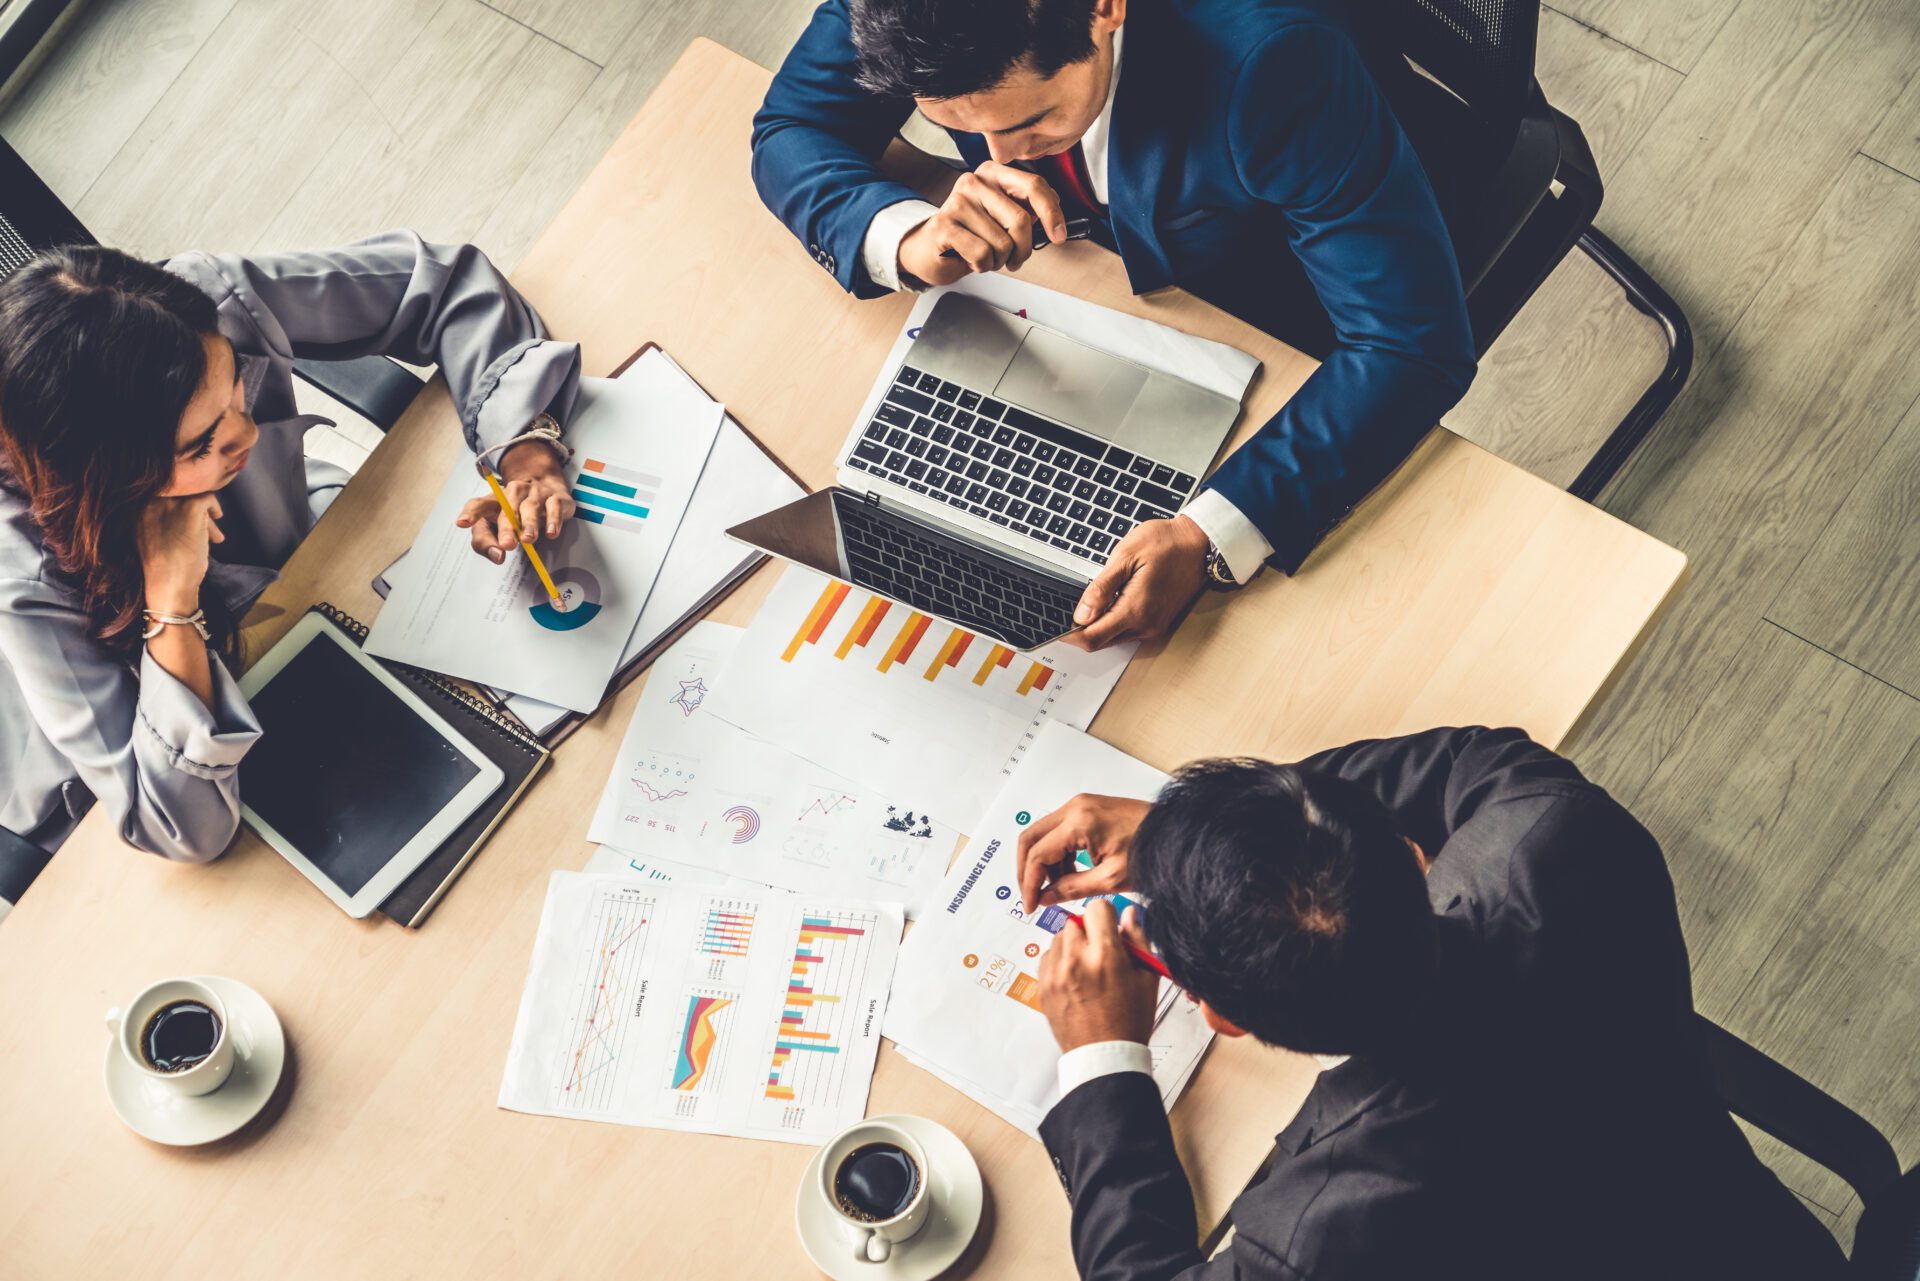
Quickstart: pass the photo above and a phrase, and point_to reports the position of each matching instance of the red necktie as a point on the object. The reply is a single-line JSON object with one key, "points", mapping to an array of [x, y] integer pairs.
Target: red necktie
{"points": [[1068, 174]]}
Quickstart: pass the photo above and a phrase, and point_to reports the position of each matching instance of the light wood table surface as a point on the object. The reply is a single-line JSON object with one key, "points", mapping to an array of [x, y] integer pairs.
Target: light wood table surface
{"points": [[1464, 591]]}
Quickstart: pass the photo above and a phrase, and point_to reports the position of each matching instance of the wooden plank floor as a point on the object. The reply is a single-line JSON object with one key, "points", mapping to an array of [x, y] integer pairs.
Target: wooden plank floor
{"points": [[1762, 158]]}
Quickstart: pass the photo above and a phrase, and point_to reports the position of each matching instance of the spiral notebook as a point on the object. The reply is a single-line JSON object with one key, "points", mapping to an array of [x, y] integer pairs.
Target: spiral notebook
{"points": [[520, 757]]}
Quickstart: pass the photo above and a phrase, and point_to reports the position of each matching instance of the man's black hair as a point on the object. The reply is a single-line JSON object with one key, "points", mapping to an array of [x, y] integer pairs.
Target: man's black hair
{"points": [[939, 49], [1288, 902]]}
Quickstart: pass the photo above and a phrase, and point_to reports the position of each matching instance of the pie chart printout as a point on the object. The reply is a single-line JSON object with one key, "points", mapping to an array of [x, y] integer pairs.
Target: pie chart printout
{"points": [[579, 602]]}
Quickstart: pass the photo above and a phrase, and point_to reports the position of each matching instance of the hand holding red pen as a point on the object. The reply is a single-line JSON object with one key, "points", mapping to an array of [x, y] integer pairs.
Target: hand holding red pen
{"points": [[1091, 987]]}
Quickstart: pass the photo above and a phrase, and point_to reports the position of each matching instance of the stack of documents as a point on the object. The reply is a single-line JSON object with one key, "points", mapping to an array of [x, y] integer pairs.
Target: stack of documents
{"points": [[966, 998]]}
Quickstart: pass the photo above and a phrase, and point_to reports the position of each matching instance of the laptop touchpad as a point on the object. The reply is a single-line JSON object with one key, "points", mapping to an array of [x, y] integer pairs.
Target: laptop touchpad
{"points": [[1071, 382]]}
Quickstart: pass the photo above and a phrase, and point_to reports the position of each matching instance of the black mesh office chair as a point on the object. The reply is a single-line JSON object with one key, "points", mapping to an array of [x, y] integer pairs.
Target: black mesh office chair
{"points": [[1516, 180], [1770, 1097]]}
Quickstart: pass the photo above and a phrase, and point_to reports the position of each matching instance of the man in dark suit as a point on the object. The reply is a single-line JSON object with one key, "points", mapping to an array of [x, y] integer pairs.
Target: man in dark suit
{"points": [[1245, 154], [1559, 1011]]}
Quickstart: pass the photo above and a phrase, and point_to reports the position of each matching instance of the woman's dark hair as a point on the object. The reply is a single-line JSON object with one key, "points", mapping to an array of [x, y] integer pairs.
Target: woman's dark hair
{"points": [[1288, 902], [100, 354], [940, 49]]}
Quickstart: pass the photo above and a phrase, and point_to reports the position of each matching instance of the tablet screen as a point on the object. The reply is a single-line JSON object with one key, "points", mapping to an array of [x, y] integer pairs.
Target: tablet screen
{"points": [[346, 790]]}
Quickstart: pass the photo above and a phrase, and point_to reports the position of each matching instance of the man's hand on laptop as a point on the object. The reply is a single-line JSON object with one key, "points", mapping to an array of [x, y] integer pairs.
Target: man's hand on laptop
{"points": [[1090, 988], [1148, 582], [988, 220]]}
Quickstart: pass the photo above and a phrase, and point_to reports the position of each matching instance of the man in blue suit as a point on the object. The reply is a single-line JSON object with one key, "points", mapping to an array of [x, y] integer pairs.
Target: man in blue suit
{"points": [[1227, 146]]}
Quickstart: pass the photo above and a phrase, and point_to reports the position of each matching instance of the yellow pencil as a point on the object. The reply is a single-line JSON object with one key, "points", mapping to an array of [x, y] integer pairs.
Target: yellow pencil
{"points": [[506, 506]]}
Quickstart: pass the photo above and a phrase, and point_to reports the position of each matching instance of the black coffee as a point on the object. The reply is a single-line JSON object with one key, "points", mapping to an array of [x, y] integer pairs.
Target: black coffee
{"points": [[179, 1035], [875, 1181]]}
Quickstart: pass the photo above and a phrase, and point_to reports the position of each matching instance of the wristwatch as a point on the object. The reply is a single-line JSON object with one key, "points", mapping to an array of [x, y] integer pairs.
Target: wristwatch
{"points": [[1219, 577]]}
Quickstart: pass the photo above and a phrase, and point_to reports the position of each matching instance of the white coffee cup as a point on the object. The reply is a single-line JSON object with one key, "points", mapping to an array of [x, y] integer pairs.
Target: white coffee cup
{"points": [[873, 1241], [129, 1023]]}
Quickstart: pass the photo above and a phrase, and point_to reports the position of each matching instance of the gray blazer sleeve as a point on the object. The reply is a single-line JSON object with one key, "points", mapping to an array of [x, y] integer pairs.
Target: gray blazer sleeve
{"points": [[161, 763], [396, 295]]}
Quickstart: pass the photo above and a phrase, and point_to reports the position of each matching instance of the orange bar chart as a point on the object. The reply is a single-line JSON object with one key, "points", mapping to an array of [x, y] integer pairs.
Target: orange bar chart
{"points": [[817, 619], [909, 636], [949, 655], [863, 627], [1036, 678], [998, 656]]}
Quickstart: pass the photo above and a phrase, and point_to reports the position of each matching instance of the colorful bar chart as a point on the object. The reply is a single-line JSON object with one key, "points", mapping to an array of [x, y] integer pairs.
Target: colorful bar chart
{"points": [[815, 625], [613, 496], [727, 933], [826, 956]]}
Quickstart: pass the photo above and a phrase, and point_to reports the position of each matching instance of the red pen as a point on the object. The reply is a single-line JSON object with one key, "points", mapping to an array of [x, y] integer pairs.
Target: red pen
{"points": [[1140, 954]]}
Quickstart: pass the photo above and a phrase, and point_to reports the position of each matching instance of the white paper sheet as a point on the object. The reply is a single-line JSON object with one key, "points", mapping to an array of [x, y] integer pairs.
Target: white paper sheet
{"points": [[898, 703], [967, 986], [698, 790], [739, 483], [641, 443], [684, 1007]]}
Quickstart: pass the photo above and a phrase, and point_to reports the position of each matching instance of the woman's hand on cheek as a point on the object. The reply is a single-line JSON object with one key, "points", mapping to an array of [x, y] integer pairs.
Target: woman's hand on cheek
{"points": [[176, 542]]}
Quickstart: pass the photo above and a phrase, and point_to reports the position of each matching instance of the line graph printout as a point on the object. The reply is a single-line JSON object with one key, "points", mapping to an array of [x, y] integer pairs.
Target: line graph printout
{"points": [[695, 789], [454, 612], [668, 1005], [899, 702], [969, 974]]}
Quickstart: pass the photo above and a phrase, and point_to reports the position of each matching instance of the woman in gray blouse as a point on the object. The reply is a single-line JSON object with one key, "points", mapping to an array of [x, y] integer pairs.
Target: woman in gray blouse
{"points": [[151, 468]]}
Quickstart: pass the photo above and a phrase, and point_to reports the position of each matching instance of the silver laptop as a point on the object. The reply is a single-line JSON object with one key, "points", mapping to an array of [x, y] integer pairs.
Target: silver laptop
{"points": [[1001, 468]]}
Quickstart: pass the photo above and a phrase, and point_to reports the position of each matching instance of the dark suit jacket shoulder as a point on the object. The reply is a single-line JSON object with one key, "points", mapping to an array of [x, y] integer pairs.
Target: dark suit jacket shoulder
{"points": [[1568, 988], [1360, 1185]]}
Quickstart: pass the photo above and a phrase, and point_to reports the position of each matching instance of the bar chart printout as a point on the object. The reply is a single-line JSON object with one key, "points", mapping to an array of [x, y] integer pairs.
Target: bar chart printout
{"points": [[897, 701], [664, 1004], [827, 972], [726, 937]]}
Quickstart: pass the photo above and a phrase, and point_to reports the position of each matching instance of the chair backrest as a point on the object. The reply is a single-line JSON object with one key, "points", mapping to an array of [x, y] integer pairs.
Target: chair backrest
{"points": [[1481, 50], [32, 218], [1798, 1113]]}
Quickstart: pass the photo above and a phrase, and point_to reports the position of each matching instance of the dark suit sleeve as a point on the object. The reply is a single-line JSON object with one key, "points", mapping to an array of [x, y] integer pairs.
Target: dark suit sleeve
{"points": [[1312, 135], [817, 141], [1132, 1206], [1435, 781]]}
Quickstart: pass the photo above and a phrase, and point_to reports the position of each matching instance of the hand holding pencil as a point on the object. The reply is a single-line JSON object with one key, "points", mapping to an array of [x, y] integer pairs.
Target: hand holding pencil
{"points": [[529, 500]]}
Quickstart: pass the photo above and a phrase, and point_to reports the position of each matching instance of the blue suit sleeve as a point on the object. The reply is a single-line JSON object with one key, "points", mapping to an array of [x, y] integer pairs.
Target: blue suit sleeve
{"points": [[1312, 135], [817, 141]]}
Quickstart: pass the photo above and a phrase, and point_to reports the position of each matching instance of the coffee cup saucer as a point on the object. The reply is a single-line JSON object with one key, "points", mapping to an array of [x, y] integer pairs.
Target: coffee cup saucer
{"points": [[958, 1198], [154, 1112]]}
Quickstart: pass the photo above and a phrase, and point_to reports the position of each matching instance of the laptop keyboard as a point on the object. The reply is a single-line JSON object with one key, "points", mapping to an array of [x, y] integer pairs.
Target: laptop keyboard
{"points": [[1037, 477], [890, 557]]}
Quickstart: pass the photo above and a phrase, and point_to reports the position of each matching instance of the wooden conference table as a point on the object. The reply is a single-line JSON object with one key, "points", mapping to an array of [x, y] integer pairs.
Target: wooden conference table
{"points": [[1464, 591]]}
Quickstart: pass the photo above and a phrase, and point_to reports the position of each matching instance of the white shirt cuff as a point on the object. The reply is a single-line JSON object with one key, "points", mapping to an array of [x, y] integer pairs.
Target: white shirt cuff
{"points": [[880, 251], [1102, 1058], [1240, 541]]}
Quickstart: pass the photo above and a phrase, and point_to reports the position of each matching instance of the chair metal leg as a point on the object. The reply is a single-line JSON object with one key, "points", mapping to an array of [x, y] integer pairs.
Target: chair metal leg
{"points": [[1645, 293]]}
